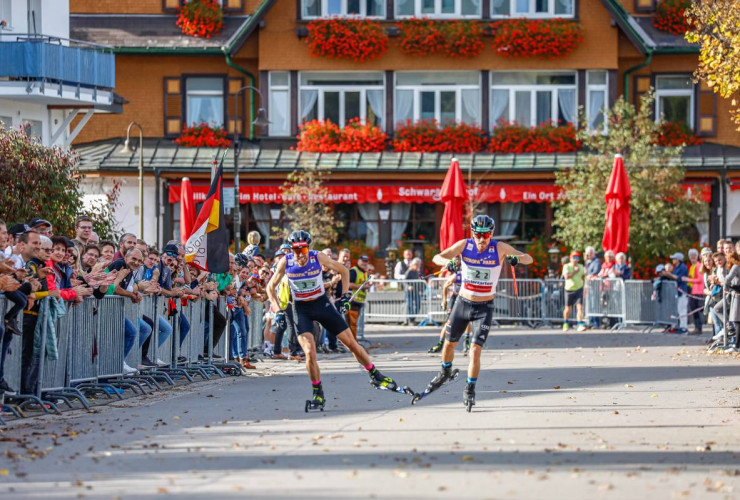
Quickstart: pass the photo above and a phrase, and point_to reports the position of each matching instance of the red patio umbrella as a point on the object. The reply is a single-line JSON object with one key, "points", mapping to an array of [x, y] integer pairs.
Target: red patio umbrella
{"points": [[454, 194], [618, 193], [187, 210]]}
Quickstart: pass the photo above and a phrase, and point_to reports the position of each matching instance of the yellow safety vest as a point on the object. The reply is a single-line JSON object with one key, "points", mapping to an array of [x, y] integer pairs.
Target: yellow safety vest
{"points": [[284, 292], [360, 278]]}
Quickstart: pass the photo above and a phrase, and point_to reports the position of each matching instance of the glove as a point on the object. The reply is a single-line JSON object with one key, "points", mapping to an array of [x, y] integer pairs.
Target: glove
{"points": [[280, 321], [345, 303], [452, 266], [513, 260]]}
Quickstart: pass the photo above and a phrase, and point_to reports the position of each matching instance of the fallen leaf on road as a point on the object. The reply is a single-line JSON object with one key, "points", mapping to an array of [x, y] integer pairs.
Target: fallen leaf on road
{"points": [[653, 395], [628, 385], [556, 387], [4, 472], [467, 458], [162, 491]]}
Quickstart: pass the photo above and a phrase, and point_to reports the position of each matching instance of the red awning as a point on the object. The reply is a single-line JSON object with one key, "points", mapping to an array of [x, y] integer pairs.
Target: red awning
{"points": [[403, 193]]}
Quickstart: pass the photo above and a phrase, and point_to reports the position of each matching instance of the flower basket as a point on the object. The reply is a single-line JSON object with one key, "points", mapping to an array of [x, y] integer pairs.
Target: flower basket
{"points": [[676, 134], [428, 136], [669, 16], [544, 38], [357, 40], [421, 37], [203, 135], [201, 18], [511, 138], [323, 136]]}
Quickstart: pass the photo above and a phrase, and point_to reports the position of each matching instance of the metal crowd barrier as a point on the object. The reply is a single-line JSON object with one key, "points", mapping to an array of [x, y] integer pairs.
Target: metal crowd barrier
{"points": [[605, 298], [397, 301]]}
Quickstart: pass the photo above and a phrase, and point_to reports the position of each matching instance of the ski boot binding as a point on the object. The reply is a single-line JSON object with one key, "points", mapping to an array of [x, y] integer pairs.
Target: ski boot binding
{"points": [[466, 345], [317, 402], [379, 381], [442, 378], [469, 397], [436, 347]]}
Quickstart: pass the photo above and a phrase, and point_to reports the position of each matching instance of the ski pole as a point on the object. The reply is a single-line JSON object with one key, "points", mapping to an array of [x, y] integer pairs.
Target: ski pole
{"points": [[434, 274], [516, 291]]}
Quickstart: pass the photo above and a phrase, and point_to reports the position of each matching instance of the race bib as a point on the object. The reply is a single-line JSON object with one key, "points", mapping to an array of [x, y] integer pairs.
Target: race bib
{"points": [[307, 284], [477, 274]]}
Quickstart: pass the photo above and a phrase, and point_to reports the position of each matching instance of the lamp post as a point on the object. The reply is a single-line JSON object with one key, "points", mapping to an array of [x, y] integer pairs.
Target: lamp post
{"points": [[260, 121], [127, 150]]}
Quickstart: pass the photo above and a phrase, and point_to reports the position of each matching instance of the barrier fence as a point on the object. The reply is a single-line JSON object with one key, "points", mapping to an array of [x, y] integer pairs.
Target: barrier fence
{"points": [[538, 302]]}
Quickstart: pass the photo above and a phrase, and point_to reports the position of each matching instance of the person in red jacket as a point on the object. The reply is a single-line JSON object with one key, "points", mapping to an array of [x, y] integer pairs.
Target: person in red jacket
{"points": [[59, 279]]}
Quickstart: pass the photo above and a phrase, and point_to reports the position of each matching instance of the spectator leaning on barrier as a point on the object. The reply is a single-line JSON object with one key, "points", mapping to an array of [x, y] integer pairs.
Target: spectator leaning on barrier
{"points": [[728, 247], [574, 275], [721, 245], [41, 226], [695, 279], [621, 268], [90, 257], [414, 290], [402, 266], [717, 312], [732, 284], [128, 240], [83, 229], [107, 251], [678, 273], [607, 267], [593, 264], [711, 291]]}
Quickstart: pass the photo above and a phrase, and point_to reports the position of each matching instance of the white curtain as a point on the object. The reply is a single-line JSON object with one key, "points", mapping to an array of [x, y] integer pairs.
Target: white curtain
{"points": [[404, 105], [399, 212], [500, 7], [405, 7], [595, 108], [369, 213], [563, 7], [470, 7], [279, 103], [261, 214], [471, 106], [567, 102], [510, 213], [308, 99], [308, 8], [499, 103], [377, 103]]}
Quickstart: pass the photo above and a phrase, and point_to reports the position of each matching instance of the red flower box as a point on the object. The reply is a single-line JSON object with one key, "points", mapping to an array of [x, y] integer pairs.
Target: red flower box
{"points": [[428, 136], [421, 37], [676, 134], [358, 40], [545, 38], [201, 18], [203, 135], [669, 16], [323, 136], [546, 138]]}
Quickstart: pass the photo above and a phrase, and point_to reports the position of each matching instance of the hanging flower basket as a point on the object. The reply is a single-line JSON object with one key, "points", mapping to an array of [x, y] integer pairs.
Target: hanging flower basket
{"points": [[669, 16], [421, 37], [357, 40], [201, 18], [511, 138], [544, 38], [323, 136], [428, 136], [676, 134], [203, 135]]}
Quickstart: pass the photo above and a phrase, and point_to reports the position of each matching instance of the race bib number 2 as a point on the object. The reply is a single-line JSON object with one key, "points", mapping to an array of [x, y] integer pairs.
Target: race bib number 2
{"points": [[478, 274]]}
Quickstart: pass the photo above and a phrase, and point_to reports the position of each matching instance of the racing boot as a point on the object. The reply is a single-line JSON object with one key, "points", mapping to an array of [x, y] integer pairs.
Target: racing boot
{"points": [[437, 347]]}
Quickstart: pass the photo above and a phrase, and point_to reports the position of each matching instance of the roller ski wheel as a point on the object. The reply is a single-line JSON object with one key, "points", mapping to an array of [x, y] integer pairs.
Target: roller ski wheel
{"points": [[469, 398], [314, 405], [437, 382]]}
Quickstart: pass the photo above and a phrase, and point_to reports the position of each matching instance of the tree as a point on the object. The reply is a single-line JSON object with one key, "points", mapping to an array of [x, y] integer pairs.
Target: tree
{"points": [[305, 205], [716, 26], [38, 181], [102, 211], [661, 211]]}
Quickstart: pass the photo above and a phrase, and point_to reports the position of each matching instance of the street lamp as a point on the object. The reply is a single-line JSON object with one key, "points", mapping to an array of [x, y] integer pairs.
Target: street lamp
{"points": [[260, 121], [128, 151]]}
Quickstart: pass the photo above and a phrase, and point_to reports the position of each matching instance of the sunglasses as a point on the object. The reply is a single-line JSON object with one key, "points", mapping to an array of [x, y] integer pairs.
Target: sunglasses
{"points": [[300, 250], [171, 254], [481, 236]]}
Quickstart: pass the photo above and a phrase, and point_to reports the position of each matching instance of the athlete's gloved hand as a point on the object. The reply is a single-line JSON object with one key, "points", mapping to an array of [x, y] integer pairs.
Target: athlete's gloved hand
{"points": [[452, 266], [513, 260], [280, 321], [344, 303]]}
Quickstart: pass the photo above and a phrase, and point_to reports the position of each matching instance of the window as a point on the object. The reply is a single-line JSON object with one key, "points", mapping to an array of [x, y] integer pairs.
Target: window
{"points": [[524, 221], [533, 98], [279, 107], [532, 8], [340, 97], [596, 102], [7, 122], [674, 99], [204, 101], [6, 15], [454, 95], [328, 8], [380, 224], [32, 128], [438, 8]]}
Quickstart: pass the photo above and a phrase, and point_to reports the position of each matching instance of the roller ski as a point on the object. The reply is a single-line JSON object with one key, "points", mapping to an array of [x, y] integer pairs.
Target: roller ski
{"points": [[466, 345], [469, 397], [436, 347], [317, 402], [445, 376], [383, 383]]}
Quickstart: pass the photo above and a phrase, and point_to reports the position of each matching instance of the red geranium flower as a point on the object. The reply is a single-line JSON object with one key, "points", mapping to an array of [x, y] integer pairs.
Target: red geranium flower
{"points": [[359, 40], [323, 136], [203, 135], [676, 134], [670, 16], [201, 18], [546, 38], [421, 37], [511, 138]]}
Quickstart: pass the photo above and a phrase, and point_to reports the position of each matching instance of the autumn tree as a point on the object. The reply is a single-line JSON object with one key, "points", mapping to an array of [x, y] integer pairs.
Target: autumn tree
{"points": [[716, 26], [661, 211], [38, 181], [306, 206]]}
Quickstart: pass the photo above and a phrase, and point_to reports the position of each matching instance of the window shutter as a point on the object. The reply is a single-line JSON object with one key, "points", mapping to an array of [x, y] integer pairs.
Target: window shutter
{"points": [[234, 84], [706, 111], [233, 5], [170, 6], [173, 97], [642, 87], [644, 5]]}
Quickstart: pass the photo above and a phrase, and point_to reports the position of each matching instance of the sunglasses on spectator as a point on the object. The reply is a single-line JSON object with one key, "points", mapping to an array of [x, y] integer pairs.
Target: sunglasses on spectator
{"points": [[300, 250], [171, 254], [482, 236]]}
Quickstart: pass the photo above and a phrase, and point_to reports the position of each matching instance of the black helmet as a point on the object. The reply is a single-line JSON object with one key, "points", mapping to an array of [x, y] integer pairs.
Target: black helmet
{"points": [[482, 224], [241, 260], [299, 238]]}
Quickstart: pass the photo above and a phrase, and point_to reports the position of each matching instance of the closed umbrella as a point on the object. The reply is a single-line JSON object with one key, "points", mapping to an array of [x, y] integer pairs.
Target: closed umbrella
{"points": [[454, 194], [618, 193], [187, 210]]}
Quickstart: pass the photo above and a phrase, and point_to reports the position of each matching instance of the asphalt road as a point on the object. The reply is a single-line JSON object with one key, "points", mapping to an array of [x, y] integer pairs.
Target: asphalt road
{"points": [[572, 416]]}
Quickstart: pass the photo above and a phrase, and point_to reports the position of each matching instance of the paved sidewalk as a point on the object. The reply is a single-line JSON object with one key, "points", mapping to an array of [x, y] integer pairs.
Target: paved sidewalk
{"points": [[572, 416]]}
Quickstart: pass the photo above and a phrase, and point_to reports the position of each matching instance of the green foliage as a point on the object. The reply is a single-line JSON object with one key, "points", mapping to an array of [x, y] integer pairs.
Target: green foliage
{"points": [[102, 213], [661, 212], [38, 181], [305, 207]]}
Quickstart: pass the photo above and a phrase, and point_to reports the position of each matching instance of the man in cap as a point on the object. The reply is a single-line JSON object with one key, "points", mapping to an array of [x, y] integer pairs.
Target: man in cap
{"points": [[574, 274], [41, 226]]}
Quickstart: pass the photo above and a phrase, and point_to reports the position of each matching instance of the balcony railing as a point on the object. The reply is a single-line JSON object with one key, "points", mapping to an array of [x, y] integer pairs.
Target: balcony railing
{"points": [[46, 59]]}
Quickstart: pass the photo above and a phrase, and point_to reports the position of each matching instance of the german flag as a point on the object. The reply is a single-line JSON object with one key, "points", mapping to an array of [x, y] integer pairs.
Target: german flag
{"points": [[208, 245]]}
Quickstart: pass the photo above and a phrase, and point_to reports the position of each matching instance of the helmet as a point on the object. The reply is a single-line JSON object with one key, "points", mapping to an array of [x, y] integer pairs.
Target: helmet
{"points": [[482, 224], [299, 238]]}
